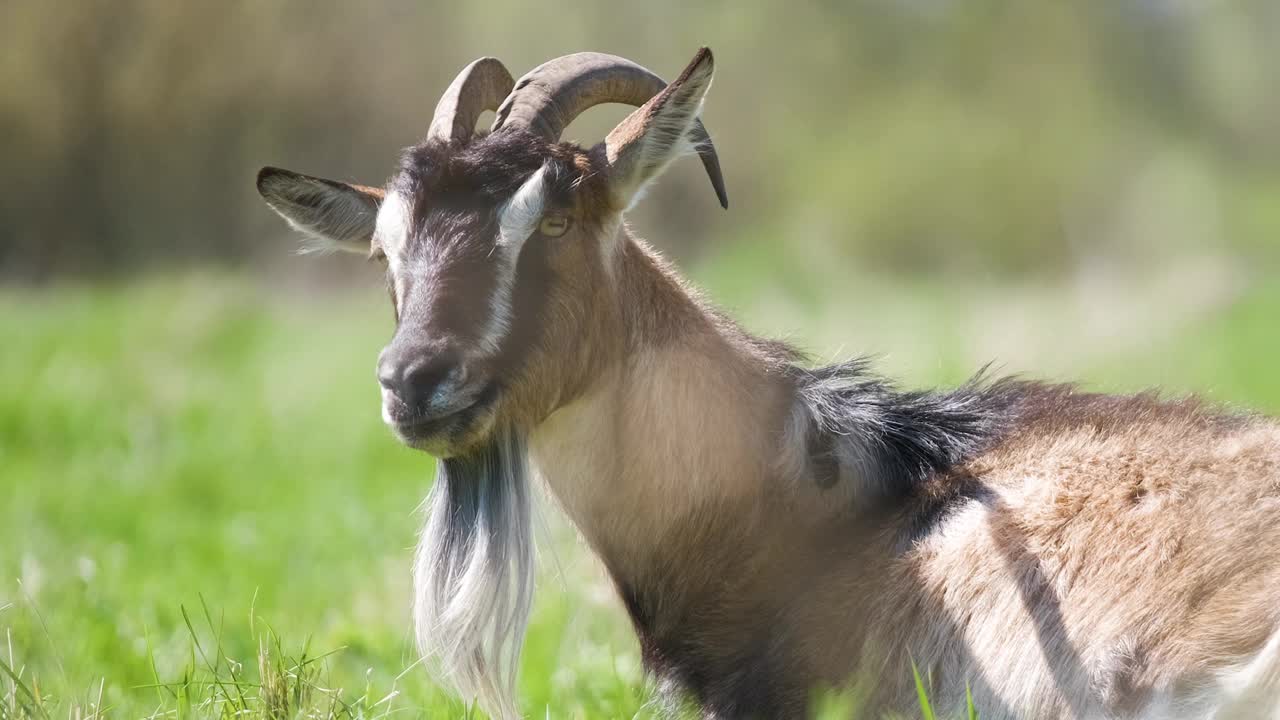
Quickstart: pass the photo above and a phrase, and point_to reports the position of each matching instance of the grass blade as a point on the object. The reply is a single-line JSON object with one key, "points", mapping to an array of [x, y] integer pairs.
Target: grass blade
{"points": [[24, 697], [926, 710]]}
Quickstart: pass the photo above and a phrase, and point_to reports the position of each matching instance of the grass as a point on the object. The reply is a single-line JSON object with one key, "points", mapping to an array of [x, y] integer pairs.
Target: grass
{"points": [[195, 438], [201, 514]]}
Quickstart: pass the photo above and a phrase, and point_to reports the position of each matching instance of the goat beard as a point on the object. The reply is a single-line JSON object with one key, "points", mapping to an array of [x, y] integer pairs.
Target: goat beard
{"points": [[474, 572]]}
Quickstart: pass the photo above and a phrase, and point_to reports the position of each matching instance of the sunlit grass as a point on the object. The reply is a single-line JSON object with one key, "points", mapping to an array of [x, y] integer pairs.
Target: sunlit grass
{"points": [[201, 514]]}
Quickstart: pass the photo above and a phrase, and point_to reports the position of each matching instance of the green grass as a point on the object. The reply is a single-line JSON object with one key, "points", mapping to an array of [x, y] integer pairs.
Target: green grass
{"points": [[201, 514], [197, 441]]}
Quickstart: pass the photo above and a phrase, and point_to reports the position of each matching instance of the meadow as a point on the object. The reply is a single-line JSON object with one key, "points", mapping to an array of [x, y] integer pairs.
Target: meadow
{"points": [[202, 515]]}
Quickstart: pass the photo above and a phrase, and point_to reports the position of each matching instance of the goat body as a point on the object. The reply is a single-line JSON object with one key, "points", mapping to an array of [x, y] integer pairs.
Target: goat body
{"points": [[772, 529]]}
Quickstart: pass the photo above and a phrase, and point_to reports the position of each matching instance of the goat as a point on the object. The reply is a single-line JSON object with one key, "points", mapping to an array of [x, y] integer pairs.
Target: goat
{"points": [[772, 527]]}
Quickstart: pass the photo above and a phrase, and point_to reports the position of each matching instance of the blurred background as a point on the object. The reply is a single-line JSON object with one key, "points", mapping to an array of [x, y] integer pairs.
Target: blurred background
{"points": [[188, 417]]}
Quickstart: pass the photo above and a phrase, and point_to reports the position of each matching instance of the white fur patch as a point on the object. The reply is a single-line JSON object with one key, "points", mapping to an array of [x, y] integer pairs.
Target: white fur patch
{"points": [[391, 233], [1247, 690], [1253, 690], [517, 219]]}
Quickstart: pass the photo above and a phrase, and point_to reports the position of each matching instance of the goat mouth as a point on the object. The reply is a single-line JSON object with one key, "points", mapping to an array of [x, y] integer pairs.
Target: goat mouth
{"points": [[436, 433]]}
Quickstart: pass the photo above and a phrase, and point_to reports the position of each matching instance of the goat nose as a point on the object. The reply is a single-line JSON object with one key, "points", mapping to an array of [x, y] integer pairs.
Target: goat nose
{"points": [[415, 377]]}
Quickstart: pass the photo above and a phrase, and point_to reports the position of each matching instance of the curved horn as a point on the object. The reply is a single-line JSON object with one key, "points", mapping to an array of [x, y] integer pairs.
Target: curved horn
{"points": [[480, 86], [546, 99]]}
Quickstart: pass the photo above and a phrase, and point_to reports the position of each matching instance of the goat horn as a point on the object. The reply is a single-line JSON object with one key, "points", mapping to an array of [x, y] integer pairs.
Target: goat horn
{"points": [[480, 86], [551, 95]]}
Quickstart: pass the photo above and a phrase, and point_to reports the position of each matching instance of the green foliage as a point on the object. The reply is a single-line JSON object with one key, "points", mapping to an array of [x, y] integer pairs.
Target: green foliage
{"points": [[922, 694], [196, 438], [207, 438]]}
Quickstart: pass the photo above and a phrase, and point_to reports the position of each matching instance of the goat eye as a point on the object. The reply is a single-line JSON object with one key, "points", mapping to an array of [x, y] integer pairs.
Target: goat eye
{"points": [[554, 225]]}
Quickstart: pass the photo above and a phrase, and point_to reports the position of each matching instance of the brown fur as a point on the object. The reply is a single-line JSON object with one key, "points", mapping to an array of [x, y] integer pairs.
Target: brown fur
{"points": [[1058, 553], [1109, 549]]}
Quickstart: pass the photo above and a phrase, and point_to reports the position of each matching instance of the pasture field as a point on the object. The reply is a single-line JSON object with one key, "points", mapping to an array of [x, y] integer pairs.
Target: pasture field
{"points": [[202, 515]]}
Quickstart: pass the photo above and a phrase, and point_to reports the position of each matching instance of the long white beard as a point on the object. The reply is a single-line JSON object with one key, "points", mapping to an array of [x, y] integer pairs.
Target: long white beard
{"points": [[474, 572]]}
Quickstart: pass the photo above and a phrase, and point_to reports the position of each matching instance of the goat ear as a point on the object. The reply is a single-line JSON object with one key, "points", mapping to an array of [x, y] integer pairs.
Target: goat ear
{"points": [[331, 215], [666, 127]]}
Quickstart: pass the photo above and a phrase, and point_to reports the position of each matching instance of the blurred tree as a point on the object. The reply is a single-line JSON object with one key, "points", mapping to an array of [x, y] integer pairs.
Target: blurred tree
{"points": [[914, 135]]}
